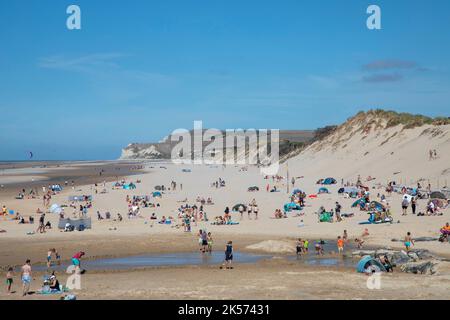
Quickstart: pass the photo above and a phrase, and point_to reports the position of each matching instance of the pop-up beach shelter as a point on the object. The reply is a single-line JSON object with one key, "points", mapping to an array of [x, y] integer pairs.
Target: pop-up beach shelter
{"points": [[236, 207], [437, 195], [291, 206], [323, 190], [329, 181], [369, 264]]}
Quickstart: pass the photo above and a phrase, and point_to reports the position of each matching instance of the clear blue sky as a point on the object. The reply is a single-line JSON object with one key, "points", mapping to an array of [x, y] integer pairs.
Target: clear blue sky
{"points": [[139, 69]]}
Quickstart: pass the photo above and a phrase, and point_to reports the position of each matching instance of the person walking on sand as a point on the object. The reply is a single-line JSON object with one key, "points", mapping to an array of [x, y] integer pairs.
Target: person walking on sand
{"points": [[431, 155], [413, 205], [26, 277], [228, 256], [41, 227], [241, 211], [405, 204], [408, 241]]}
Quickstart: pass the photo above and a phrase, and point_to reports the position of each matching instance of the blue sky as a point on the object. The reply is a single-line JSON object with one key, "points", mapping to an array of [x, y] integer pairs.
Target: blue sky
{"points": [[139, 69]]}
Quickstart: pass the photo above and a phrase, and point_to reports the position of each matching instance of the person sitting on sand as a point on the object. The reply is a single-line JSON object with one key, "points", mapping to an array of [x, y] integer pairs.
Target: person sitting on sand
{"points": [[359, 243], [445, 233], [278, 214], [48, 225], [54, 283], [386, 263]]}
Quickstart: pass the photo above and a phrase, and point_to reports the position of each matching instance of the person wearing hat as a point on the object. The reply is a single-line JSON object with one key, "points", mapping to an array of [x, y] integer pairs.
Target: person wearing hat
{"points": [[54, 283]]}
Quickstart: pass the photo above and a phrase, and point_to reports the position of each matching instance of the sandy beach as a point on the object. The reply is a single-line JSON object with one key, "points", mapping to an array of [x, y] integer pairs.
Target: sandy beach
{"points": [[267, 279]]}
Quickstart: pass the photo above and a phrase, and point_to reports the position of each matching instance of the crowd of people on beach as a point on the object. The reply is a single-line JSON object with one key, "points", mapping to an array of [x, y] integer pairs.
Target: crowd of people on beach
{"points": [[188, 216]]}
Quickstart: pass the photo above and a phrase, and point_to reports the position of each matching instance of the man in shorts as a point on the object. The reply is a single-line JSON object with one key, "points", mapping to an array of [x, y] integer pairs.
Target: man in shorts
{"points": [[26, 277]]}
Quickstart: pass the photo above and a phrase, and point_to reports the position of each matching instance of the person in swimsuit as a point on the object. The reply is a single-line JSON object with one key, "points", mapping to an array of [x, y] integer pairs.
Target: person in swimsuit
{"points": [[204, 238], [359, 243], [26, 277], [9, 279], [408, 241], [210, 242], [340, 244], [345, 236], [228, 256], [300, 245], [76, 259]]}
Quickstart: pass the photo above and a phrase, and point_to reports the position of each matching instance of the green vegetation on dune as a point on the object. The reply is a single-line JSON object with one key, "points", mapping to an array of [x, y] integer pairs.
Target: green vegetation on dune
{"points": [[408, 120]]}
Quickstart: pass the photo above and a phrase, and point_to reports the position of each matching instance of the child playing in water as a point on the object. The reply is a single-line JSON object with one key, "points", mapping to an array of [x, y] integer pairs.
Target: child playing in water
{"points": [[210, 242], [300, 245], [305, 246], [340, 244], [9, 280], [319, 247], [228, 256]]}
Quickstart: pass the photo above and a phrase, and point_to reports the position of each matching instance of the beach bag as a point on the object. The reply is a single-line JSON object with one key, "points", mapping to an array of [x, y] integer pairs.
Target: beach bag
{"points": [[81, 227]]}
